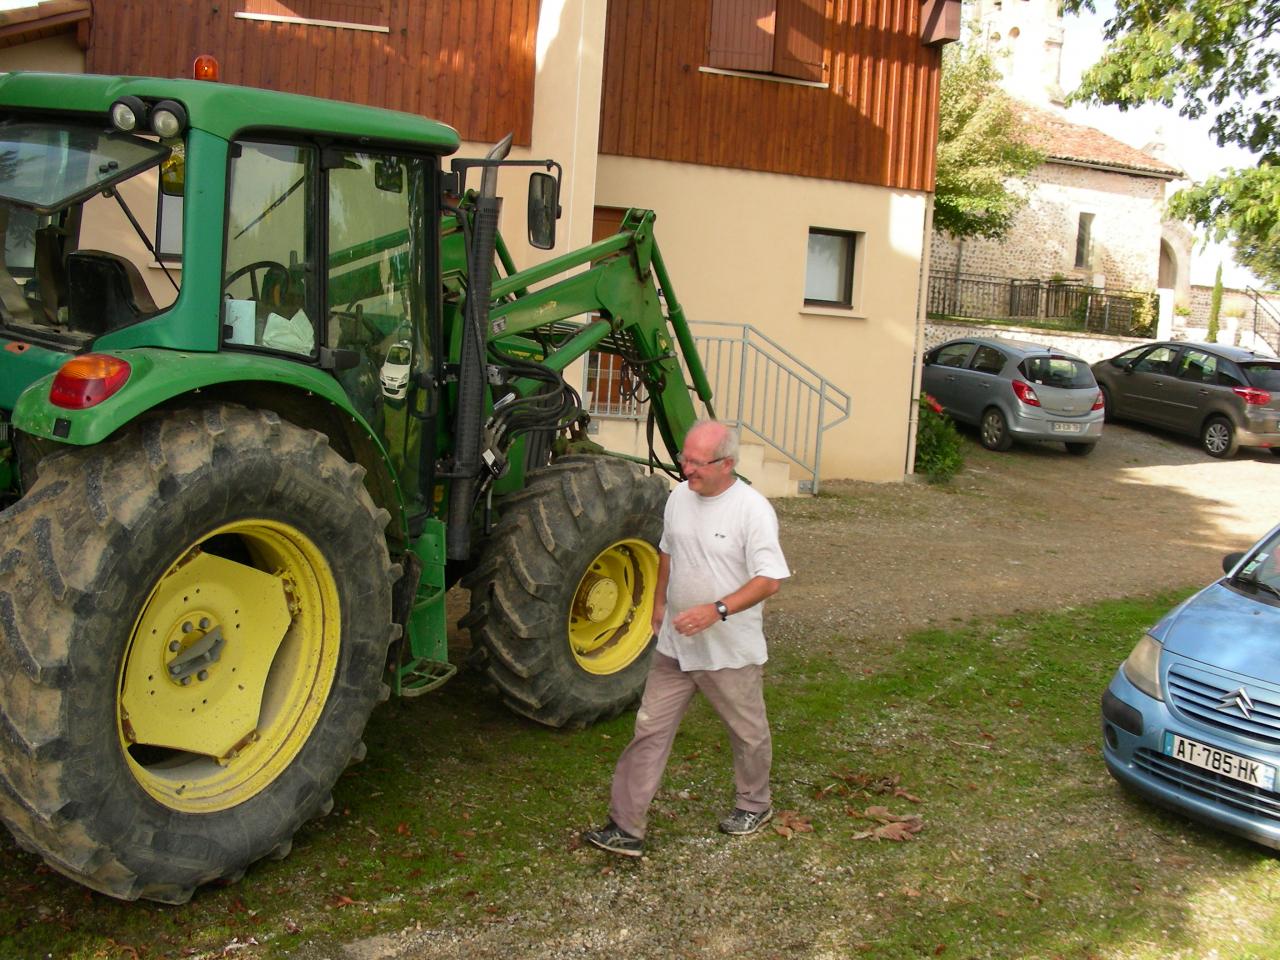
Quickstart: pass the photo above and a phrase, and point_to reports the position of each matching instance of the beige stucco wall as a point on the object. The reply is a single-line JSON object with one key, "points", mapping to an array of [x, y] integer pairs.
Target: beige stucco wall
{"points": [[60, 54], [735, 243], [1127, 229]]}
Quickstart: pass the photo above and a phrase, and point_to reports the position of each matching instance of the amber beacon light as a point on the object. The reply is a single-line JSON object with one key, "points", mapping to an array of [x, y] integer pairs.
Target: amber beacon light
{"points": [[205, 67]]}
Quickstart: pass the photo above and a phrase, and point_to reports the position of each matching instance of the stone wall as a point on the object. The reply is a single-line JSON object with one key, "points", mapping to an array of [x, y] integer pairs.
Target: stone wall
{"points": [[1042, 241], [1235, 319], [1090, 347]]}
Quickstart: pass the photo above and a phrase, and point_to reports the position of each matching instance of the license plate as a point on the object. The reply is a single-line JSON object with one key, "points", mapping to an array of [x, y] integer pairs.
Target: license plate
{"points": [[1219, 761], [1059, 427]]}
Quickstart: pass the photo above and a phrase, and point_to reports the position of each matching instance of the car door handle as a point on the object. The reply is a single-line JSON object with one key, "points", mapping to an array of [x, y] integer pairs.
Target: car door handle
{"points": [[1203, 392]]}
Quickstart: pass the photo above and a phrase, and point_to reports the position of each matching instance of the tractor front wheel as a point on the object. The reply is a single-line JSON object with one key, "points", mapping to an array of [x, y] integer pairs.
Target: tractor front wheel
{"points": [[562, 597], [194, 619]]}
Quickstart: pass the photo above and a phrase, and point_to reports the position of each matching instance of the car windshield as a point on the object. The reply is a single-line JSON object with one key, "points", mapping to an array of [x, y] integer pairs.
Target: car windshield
{"points": [[1051, 371], [400, 355], [1265, 376], [1264, 566]]}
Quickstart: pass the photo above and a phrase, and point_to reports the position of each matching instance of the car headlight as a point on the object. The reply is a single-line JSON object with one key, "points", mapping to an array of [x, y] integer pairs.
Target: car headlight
{"points": [[1143, 667]]}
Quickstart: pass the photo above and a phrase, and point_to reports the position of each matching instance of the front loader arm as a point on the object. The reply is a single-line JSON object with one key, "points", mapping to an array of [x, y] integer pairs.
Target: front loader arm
{"points": [[624, 288]]}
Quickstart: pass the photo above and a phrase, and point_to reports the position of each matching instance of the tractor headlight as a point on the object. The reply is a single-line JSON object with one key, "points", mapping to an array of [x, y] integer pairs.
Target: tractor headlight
{"points": [[168, 119], [128, 114]]}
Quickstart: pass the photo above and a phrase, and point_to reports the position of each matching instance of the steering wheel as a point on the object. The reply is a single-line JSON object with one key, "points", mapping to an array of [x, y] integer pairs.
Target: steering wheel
{"points": [[251, 270]]}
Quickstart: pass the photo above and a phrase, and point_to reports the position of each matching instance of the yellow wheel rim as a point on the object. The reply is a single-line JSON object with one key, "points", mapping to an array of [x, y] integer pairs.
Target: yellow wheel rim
{"points": [[610, 621], [229, 666]]}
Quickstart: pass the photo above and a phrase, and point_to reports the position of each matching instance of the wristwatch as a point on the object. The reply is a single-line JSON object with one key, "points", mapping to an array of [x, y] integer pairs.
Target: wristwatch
{"points": [[722, 610]]}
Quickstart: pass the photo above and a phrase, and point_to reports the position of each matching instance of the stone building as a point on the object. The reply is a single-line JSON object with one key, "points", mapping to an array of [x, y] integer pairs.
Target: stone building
{"points": [[1095, 210]]}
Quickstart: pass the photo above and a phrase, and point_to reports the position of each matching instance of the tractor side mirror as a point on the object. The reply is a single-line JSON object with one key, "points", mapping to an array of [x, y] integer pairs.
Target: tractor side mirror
{"points": [[544, 210], [173, 172]]}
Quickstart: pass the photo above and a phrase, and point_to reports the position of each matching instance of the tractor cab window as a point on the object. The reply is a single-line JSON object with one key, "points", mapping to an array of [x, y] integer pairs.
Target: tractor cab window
{"points": [[78, 262], [269, 297], [375, 308]]}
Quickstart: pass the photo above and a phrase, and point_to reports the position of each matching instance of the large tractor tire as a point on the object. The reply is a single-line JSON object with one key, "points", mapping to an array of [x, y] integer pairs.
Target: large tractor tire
{"points": [[562, 597], [194, 619]]}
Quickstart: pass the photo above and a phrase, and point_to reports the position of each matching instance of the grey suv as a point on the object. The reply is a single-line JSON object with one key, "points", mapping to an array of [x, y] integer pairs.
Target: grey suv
{"points": [[1227, 396]]}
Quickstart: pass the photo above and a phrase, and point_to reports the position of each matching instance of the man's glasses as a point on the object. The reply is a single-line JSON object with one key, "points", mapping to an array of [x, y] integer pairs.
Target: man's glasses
{"points": [[697, 464]]}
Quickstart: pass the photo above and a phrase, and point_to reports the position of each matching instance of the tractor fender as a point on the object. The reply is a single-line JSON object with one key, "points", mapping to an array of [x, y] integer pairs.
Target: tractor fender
{"points": [[304, 395]]}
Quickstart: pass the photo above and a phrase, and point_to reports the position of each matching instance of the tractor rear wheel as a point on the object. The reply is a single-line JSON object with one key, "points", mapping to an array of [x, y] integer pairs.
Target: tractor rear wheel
{"points": [[562, 597], [194, 619]]}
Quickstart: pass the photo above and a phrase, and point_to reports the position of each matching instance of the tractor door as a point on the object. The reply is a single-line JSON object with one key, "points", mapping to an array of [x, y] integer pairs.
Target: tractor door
{"points": [[376, 291], [326, 249]]}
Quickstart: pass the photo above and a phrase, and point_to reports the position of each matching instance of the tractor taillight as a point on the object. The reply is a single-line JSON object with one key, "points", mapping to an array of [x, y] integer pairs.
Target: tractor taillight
{"points": [[1026, 393], [1253, 396], [86, 381]]}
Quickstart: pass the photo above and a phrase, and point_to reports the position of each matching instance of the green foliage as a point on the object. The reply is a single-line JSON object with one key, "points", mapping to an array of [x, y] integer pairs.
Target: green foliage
{"points": [[1212, 58], [982, 149], [1215, 306], [1145, 315], [1243, 207], [938, 444]]}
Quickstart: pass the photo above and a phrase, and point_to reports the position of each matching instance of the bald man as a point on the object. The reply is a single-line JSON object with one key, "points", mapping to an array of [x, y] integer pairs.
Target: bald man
{"points": [[718, 560]]}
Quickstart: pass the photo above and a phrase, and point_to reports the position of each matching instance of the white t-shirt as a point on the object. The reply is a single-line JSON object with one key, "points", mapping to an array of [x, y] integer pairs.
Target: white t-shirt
{"points": [[716, 545]]}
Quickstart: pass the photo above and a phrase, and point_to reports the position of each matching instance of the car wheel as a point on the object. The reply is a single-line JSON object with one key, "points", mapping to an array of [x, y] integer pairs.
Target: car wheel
{"points": [[994, 431], [1080, 449], [1108, 414], [1275, 451], [1218, 437]]}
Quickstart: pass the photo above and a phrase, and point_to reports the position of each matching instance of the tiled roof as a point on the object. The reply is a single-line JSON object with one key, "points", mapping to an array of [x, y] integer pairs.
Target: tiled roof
{"points": [[1060, 139]]}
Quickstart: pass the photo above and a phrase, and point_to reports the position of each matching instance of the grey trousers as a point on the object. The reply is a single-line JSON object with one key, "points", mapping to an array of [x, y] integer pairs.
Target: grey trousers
{"points": [[737, 694]]}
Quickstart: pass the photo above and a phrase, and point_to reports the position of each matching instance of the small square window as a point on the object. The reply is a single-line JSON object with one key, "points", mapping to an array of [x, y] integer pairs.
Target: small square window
{"points": [[828, 275]]}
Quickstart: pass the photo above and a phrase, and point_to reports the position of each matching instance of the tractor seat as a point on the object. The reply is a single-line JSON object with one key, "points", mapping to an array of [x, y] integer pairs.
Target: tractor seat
{"points": [[105, 292]]}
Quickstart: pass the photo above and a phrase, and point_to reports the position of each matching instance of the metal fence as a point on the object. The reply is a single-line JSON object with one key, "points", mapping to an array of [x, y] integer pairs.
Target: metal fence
{"points": [[1057, 304], [1266, 319], [758, 385]]}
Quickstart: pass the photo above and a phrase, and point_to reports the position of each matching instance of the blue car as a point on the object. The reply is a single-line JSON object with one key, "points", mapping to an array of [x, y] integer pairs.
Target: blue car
{"points": [[1192, 718]]}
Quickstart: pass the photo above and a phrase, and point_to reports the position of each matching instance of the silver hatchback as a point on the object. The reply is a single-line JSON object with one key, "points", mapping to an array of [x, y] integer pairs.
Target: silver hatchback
{"points": [[1016, 390]]}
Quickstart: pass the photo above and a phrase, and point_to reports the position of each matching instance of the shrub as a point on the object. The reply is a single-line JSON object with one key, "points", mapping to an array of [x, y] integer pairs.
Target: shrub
{"points": [[938, 444], [1215, 307]]}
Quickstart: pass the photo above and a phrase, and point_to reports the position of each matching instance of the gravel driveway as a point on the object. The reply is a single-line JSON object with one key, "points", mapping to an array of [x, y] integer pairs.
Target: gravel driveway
{"points": [[1031, 529]]}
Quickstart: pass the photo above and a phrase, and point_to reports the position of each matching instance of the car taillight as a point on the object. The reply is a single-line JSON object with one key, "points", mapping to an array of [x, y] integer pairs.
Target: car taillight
{"points": [[1026, 393], [1098, 402], [1253, 395], [86, 381]]}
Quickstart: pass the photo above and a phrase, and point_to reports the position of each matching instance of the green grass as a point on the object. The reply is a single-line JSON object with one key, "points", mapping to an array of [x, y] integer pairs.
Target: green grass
{"points": [[462, 815]]}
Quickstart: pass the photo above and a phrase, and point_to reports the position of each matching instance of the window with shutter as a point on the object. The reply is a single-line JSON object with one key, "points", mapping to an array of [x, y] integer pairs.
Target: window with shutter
{"points": [[781, 37]]}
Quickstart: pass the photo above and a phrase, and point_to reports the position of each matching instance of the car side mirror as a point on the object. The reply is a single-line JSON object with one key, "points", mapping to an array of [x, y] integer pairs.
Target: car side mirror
{"points": [[1230, 561], [544, 210], [1128, 367]]}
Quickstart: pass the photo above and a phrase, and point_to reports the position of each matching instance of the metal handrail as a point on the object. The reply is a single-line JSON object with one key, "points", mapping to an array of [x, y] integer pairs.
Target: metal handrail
{"points": [[1263, 310], [774, 396]]}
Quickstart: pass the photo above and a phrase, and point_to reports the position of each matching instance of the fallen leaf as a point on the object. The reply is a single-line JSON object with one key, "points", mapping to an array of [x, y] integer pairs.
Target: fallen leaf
{"points": [[910, 892], [938, 950], [790, 822], [342, 900], [292, 926], [403, 829], [899, 792], [900, 829]]}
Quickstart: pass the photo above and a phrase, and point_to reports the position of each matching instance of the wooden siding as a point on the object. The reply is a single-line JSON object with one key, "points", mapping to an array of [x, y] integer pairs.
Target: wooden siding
{"points": [[875, 123], [469, 63]]}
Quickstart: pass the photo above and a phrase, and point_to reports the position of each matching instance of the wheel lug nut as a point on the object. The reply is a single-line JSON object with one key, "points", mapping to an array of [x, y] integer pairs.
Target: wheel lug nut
{"points": [[202, 675], [174, 646], [185, 681], [204, 623], [187, 628]]}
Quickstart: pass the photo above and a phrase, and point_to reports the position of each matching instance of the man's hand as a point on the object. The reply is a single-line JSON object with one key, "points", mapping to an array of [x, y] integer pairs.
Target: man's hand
{"points": [[659, 614], [696, 619]]}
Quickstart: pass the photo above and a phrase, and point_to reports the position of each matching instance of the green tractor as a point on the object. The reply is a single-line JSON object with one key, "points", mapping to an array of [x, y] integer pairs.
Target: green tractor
{"points": [[232, 509]]}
